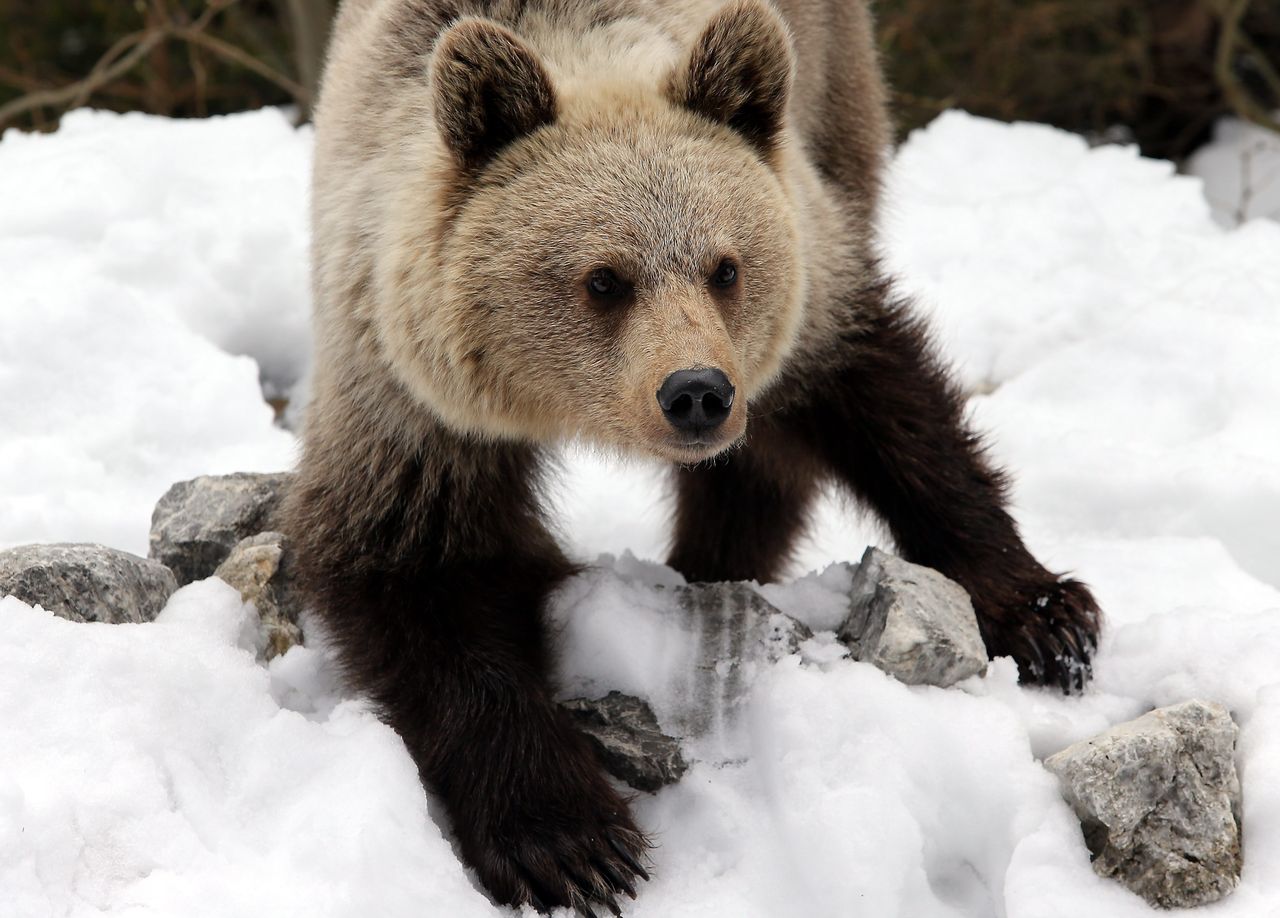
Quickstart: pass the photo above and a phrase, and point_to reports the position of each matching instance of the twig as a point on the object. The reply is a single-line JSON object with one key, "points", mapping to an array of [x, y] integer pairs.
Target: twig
{"points": [[213, 9], [200, 75], [1244, 104], [244, 59], [19, 80], [308, 27], [90, 82], [58, 98], [1270, 75], [129, 50]]}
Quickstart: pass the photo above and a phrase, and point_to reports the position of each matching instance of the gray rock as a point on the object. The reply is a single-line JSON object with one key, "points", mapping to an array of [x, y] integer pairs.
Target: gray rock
{"points": [[258, 567], [197, 523], [750, 626], [1159, 801], [86, 583], [737, 631], [912, 622], [631, 745]]}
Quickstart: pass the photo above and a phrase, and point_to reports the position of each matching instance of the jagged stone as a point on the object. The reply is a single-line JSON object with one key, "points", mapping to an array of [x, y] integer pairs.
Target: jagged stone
{"points": [[86, 583], [912, 622], [258, 567], [632, 746], [736, 632], [1159, 802], [753, 628], [197, 523]]}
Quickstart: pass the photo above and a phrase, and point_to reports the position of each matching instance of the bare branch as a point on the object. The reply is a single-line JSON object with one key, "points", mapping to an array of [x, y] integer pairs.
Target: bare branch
{"points": [[59, 98], [308, 29], [19, 80], [236, 55], [1232, 13], [92, 81], [1270, 75], [131, 49]]}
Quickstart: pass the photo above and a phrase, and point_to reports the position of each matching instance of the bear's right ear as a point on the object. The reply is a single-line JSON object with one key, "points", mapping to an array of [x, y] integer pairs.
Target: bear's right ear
{"points": [[488, 89], [739, 73]]}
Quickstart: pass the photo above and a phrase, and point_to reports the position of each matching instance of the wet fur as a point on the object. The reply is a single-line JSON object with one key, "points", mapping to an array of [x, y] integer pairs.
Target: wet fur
{"points": [[417, 515]]}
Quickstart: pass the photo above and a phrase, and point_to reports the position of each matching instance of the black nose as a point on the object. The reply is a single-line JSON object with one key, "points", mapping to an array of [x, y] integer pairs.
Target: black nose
{"points": [[696, 401]]}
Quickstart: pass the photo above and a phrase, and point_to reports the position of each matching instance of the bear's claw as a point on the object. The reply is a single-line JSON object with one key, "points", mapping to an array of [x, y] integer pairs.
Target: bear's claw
{"points": [[617, 880], [1053, 638], [627, 858], [583, 870]]}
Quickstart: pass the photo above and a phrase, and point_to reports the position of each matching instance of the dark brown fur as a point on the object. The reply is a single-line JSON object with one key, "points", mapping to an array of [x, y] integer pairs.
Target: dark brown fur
{"points": [[475, 119], [744, 86], [434, 600], [887, 423]]}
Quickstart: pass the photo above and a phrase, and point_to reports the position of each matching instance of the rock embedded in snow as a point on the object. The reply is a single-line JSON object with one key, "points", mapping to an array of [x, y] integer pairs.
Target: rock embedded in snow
{"points": [[86, 583], [259, 568], [737, 633], [1159, 801], [912, 622], [751, 627], [197, 523], [632, 746]]}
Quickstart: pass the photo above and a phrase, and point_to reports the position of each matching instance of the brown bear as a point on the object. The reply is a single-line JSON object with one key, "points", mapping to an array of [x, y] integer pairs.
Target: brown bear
{"points": [[648, 225]]}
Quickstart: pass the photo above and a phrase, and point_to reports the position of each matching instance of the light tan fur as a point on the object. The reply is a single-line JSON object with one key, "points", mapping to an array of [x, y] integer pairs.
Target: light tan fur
{"points": [[445, 298]]}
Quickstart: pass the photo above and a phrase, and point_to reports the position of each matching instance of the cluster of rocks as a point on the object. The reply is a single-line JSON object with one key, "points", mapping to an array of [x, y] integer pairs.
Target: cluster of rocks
{"points": [[223, 526], [209, 525], [1158, 798], [198, 523]]}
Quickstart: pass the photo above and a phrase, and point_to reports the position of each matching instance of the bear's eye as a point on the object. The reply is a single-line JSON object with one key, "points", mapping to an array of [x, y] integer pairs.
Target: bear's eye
{"points": [[603, 284], [726, 274]]}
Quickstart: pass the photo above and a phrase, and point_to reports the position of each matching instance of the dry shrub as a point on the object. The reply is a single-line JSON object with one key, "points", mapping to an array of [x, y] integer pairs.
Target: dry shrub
{"points": [[1085, 65], [1152, 66], [46, 44]]}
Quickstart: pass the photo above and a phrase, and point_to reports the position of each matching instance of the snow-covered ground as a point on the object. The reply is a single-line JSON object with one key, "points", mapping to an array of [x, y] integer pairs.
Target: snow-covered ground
{"points": [[137, 255], [1123, 348]]}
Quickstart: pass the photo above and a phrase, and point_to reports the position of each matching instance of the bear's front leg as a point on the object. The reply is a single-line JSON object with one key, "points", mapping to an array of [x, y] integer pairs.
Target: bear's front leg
{"points": [[890, 424], [531, 809], [739, 515], [430, 573]]}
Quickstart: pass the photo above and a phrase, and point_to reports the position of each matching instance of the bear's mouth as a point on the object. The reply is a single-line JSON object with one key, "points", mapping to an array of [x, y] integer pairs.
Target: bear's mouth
{"points": [[692, 449], [698, 414]]}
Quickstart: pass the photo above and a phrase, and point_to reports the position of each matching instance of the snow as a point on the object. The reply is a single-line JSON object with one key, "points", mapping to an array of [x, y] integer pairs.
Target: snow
{"points": [[179, 796], [1119, 344], [144, 262]]}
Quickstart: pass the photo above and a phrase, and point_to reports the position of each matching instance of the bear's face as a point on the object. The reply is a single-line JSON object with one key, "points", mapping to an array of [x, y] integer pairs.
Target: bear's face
{"points": [[619, 255], [627, 273]]}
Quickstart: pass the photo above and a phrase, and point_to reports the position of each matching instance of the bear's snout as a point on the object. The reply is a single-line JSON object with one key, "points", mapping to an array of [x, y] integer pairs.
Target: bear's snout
{"points": [[696, 402]]}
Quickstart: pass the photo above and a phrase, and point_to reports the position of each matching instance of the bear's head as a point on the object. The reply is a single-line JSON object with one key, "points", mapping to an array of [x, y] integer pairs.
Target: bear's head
{"points": [[610, 258]]}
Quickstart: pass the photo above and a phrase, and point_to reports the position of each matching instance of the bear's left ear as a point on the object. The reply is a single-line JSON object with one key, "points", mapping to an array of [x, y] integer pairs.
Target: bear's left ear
{"points": [[739, 73], [488, 89]]}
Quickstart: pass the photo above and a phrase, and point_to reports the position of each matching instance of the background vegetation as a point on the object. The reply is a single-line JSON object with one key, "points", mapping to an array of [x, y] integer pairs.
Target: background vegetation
{"points": [[1162, 69]]}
